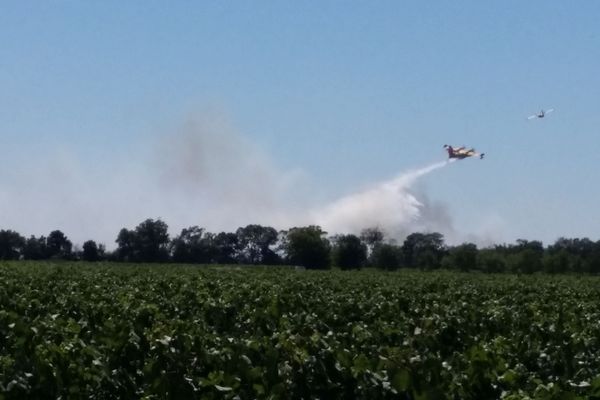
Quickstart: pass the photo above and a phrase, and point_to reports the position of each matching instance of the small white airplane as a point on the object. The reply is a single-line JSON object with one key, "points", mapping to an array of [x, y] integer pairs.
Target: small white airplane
{"points": [[541, 114], [461, 152]]}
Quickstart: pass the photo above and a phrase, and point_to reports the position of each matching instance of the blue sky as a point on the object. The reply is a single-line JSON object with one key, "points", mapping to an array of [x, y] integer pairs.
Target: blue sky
{"points": [[329, 97]]}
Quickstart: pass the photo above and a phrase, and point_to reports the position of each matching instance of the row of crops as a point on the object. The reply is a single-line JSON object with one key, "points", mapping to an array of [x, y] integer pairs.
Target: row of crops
{"points": [[174, 332]]}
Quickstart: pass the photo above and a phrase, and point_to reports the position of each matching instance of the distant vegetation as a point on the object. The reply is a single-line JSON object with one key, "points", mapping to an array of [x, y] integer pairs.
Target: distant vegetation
{"points": [[309, 247]]}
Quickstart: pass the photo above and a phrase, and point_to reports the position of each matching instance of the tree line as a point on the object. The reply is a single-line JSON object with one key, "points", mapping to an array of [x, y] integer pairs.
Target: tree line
{"points": [[309, 247]]}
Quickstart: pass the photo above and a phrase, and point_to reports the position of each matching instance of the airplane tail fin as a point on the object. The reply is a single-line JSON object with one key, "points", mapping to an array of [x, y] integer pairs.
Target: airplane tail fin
{"points": [[481, 156], [450, 150]]}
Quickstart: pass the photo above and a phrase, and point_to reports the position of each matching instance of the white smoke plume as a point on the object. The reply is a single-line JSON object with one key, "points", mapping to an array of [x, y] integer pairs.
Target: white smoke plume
{"points": [[390, 206]]}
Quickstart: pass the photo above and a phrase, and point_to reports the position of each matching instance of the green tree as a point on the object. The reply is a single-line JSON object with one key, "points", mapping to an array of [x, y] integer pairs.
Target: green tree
{"points": [[58, 245], [11, 245], [593, 261], [35, 248], [462, 257], [307, 247], [528, 261], [193, 245], [225, 245], [372, 237], [92, 251], [125, 246], [423, 250], [255, 244], [387, 256], [151, 241], [556, 261], [349, 252], [529, 257], [491, 261], [579, 254]]}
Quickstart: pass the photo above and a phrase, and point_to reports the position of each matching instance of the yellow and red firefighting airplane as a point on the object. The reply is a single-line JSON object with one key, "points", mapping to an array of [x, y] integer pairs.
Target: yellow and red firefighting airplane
{"points": [[461, 152]]}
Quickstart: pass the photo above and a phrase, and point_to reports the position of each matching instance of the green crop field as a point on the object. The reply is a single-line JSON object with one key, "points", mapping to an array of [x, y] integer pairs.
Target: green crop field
{"points": [[165, 331]]}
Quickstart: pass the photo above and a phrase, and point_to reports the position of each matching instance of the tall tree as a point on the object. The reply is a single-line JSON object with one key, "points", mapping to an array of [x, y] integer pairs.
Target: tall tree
{"points": [[386, 256], [577, 255], [372, 237], [307, 247], [462, 257], [225, 245], [423, 250], [556, 261], [92, 251], [125, 246], [193, 245], [151, 241], [593, 262], [255, 244], [11, 245], [491, 260], [349, 252], [35, 248], [58, 245], [528, 256]]}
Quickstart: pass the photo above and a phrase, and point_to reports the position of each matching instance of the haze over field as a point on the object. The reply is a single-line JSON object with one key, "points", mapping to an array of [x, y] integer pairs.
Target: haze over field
{"points": [[222, 115]]}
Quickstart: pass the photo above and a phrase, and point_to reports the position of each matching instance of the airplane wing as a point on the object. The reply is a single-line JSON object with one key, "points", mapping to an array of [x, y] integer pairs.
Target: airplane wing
{"points": [[549, 110], [532, 116]]}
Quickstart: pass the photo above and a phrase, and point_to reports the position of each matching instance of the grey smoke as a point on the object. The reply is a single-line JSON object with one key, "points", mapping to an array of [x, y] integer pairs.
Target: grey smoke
{"points": [[221, 179]]}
